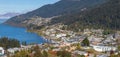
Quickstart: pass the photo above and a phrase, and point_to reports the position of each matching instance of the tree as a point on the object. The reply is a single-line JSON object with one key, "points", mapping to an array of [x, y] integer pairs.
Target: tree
{"points": [[86, 42], [118, 48], [37, 51], [22, 53], [9, 43], [113, 55], [45, 54], [95, 55], [81, 56], [24, 43], [63, 54], [78, 46]]}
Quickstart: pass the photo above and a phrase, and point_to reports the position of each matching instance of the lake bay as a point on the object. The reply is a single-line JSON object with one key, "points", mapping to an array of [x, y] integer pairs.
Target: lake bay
{"points": [[19, 33]]}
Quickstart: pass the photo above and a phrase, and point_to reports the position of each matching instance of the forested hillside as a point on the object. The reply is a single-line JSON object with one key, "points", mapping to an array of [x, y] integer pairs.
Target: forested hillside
{"points": [[104, 16]]}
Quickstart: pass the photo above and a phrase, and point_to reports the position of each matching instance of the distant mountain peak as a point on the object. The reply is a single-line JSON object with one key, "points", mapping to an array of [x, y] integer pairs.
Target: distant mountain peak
{"points": [[9, 15]]}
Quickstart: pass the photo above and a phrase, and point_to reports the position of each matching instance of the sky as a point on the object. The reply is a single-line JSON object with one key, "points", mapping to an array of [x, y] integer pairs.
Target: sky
{"points": [[22, 6]]}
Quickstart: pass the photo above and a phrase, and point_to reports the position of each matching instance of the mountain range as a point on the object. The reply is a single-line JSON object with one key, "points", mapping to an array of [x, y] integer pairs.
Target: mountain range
{"points": [[8, 15], [62, 7], [77, 14]]}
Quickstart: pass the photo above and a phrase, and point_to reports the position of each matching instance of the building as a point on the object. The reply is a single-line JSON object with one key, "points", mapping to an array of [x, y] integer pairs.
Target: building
{"points": [[13, 50], [104, 48], [80, 52], [2, 51]]}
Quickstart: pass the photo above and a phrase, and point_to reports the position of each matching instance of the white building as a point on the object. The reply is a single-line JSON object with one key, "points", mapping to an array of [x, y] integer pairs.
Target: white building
{"points": [[80, 52], [104, 48], [2, 51], [13, 50], [61, 35]]}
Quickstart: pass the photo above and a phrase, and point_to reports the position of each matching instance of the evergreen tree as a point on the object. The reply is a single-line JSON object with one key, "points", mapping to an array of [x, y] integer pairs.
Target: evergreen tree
{"points": [[86, 42], [9, 43]]}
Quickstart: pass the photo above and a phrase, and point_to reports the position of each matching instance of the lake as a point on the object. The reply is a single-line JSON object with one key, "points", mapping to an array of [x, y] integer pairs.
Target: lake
{"points": [[19, 33]]}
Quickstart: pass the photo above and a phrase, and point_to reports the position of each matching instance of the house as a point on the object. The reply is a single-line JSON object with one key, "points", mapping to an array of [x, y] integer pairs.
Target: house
{"points": [[13, 50], [102, 55], [61, 35], [80, 52], [2, 51], [86, 54], [104, 48], [56, 49]]}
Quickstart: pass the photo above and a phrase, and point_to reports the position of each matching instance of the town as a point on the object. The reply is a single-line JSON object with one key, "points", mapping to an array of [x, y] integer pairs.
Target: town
{"points": [[87, 43]]}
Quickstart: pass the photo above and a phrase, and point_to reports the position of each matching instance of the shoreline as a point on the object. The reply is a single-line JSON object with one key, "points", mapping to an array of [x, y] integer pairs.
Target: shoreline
{"points": [[21, 34], [44, 38]]}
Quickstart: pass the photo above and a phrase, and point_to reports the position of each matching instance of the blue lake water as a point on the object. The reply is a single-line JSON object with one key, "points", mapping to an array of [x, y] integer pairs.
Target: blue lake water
{"points": [[19, 33]]}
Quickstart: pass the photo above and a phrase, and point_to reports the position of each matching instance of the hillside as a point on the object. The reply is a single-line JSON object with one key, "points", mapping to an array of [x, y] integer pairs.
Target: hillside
{"points": [[62, 7], [104, 16]]}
